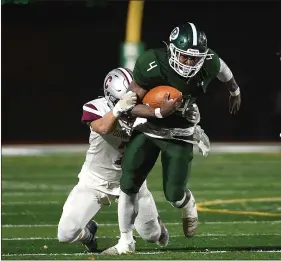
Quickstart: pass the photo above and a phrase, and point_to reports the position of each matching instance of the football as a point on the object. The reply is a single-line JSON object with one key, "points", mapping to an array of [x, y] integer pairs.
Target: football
{"points": [[155, 96]]}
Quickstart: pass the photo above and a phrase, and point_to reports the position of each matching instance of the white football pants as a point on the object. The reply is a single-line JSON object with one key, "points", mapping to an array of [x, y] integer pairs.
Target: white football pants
{"points": [[84, 202]]}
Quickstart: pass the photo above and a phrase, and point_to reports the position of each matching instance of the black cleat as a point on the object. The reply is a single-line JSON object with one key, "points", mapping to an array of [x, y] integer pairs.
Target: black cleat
{"points": [[92, 245], [164, 237]]}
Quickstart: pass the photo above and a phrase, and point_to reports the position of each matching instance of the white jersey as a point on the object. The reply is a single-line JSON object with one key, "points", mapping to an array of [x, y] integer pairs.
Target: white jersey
{"points": [[103, 158]]}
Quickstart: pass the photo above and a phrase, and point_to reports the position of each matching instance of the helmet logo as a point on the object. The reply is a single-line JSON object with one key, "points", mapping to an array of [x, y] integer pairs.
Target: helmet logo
{"points": [[193, 51], [174, 34], [108, 80]]}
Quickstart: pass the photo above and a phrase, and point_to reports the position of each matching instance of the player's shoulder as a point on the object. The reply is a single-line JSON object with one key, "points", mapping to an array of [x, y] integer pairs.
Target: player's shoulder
{"points": [[212, 63], [150, 62], [147, 56], [97, 106], [152, 55]]}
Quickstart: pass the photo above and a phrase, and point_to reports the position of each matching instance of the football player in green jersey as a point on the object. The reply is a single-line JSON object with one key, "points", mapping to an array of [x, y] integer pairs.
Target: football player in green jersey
{"points": [[188, 65]]}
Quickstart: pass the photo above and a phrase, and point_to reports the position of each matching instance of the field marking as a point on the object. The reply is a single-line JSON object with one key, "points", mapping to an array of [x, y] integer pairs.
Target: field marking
{"points": [[202, 206], [273, 222], [32, 213], [216, 147], [65, 193], [36, 186], [11, 203], [171, 236], [144, 253]]}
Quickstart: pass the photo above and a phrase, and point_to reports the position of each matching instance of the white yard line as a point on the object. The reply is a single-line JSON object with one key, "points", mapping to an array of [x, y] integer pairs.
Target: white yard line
{"points": [[32, 194], [142, 253], [41, 149], [12, 203], [171, 236], [32, 213], [65, 193], [168, 223]]}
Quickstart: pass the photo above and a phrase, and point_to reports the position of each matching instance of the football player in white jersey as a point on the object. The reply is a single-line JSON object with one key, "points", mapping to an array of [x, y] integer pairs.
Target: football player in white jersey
{"points": [[100, 174]]}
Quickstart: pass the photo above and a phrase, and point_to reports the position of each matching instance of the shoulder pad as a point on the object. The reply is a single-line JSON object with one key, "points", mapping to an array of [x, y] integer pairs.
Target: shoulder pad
{"points": [[147, 63], [97, 106], [147, 69], [212, 63]]}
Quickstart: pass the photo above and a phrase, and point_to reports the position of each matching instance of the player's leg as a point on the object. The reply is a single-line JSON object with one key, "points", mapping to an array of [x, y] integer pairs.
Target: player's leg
{"points": [[176, 162], [148, 223], [81, 205], [139, 158]]}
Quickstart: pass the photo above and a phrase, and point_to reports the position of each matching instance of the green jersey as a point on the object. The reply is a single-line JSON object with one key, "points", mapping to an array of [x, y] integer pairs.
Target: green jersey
{"points": [[152, 69]]}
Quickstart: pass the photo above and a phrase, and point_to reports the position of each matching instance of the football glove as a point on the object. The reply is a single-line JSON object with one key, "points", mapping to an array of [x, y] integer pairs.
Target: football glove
{"points": [[192, 114], [127, 102]]}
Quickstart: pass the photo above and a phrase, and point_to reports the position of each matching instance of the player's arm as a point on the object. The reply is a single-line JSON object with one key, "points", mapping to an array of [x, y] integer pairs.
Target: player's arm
{"points": [[226, 77], [107, 123], [104, 125], [140, 110]]}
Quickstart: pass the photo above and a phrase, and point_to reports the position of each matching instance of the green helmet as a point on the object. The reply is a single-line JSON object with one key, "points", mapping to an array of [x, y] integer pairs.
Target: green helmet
{"points": [[187, 40]]}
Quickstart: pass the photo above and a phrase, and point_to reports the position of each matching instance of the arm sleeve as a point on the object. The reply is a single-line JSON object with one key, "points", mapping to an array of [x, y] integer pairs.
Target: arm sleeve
{"points": [[225, 73]]}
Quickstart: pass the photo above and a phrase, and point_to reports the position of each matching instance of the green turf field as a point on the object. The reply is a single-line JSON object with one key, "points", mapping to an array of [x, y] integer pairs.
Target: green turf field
{"points": [[238, 195]]}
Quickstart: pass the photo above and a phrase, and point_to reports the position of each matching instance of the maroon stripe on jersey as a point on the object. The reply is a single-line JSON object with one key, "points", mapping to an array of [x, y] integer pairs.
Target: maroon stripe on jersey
{"points": [[89, 116], [91, 106], [124, 75]]}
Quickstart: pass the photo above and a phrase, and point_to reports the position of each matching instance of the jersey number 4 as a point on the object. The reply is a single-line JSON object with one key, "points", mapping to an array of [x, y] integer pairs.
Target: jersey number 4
{"points": [[151, 66]]}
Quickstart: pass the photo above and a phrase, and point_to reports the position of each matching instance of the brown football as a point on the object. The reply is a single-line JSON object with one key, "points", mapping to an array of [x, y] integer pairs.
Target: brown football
{"points": [[155, 96]]}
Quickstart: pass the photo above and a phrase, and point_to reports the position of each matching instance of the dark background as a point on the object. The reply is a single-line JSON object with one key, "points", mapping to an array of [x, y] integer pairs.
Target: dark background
{"points": [[55, 57]]}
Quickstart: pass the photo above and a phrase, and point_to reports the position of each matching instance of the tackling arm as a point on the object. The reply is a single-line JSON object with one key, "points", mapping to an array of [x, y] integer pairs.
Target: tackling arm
{"points": [[141, 110], [104, 125], [107, 123]]}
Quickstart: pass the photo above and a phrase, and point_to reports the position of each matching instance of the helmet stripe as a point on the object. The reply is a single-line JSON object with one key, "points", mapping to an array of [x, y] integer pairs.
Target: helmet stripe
{"points": [[129, 71], [126, 74], [194, 32]]}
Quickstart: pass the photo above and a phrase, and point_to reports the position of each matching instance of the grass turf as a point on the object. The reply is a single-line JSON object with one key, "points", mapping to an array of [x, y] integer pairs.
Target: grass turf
{"points": [[238, 197]]}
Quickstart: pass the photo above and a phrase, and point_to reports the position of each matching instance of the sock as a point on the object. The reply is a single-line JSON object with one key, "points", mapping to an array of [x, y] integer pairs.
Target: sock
{"points": [[189, 210], [146, 223], [127, 216]]}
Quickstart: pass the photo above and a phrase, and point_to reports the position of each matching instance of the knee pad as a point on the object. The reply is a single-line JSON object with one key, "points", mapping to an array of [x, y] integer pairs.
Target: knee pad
{"points": [[67, 232], [181, 203]]}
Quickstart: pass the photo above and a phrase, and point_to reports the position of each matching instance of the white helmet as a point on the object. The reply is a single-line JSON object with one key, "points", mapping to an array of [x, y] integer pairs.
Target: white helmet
{"points": [[116, 84]]}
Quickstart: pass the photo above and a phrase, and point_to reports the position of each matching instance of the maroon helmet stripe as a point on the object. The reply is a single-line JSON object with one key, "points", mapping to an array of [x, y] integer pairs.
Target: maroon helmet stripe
{"points": [[129, 71], [125, 74]]}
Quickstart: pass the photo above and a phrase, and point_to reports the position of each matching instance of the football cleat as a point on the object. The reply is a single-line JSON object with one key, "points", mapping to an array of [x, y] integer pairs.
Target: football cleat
{"points": [[120, 249], [91, 245], [190, 217], [164, 237]]}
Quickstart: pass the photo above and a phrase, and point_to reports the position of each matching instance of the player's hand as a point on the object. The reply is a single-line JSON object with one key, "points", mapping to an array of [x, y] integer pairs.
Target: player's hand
{"points": [[192, 114], [169, 106], [234, 103], [127, 102]]}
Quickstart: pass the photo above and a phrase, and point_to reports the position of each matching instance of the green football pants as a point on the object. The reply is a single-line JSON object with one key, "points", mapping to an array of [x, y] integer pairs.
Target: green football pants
{"points": [[140, 156]]}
